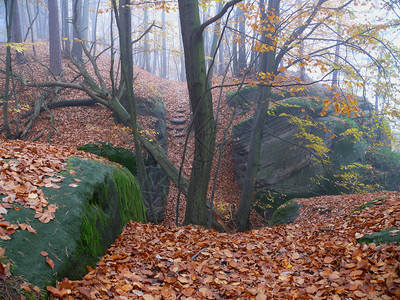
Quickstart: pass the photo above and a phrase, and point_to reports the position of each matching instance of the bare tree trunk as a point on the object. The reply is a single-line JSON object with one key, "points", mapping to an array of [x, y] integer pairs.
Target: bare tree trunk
{"points": [[242, 45], [54, 39], [65, 26], [164, 48], [203, 116], [30, 28], [124, 29], [146, 53], [6, 95], [268, 65], [16, 30], [94, 27], [77, 24]]}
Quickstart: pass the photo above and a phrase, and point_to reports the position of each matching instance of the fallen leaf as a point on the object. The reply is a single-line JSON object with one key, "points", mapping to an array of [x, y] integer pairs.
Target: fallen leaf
{"points": [[50, 262]]}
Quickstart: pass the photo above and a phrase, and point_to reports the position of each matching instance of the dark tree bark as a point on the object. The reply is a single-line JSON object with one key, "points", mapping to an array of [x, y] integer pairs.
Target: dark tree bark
{"points": [[54, 38], [16, 30]]}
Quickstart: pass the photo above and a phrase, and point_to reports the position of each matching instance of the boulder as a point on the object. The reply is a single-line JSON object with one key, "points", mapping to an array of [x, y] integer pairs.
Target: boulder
{"points": [[159, 180], [94, 202], [287, 166], [283, 166]]}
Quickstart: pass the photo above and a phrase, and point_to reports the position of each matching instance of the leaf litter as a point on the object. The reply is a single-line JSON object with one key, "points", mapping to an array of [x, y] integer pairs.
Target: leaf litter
{"points": [[316, 257]]}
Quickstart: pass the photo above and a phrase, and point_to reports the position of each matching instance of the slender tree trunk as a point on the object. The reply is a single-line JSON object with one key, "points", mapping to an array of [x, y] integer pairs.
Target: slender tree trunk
{"points": [[77, 24], [54, 38], [28, 11], [94, 26], [124, 29], [335, 73], [182, 74], [9, 20], [268, 65], [203, 117], [164, 48], [146, 42], [242, 44], [65, 26], [85, 21], [216, 37], [234, 48]]}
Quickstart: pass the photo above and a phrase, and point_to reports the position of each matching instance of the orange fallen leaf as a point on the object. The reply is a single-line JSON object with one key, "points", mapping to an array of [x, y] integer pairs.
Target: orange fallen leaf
{"points": [[50, 262], [56, 292]]}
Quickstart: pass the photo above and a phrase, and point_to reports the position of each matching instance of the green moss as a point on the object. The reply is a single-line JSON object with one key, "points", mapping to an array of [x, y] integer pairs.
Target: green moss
{"points": [[391, 235], [128, 193], [285, 214], [88, 219], [295, 106]]}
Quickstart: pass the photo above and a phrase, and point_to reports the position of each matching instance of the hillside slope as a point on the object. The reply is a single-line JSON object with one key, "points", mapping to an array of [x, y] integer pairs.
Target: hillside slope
{"points": [[317, 257]]}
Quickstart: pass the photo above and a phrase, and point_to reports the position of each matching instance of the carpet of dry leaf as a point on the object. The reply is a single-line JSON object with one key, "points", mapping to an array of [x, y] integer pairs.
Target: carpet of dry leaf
{"points": [[317, 257]]}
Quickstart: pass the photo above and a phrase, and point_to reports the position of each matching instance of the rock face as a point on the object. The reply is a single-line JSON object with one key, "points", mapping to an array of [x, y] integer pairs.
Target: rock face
{"points": [[88, 219], [159, 179], [286, 167], [154, 107]]}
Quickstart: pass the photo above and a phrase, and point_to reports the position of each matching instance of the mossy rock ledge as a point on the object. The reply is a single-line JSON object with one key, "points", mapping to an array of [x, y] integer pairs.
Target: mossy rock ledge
{"points": [[89, 218]]}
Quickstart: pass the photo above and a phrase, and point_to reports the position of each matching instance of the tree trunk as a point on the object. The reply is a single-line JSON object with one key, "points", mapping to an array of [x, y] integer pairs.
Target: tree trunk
{"points": [[94, 26], [54, 39], [30, 28], [124, 29], [146, 54], [65, 26], [201, 100], [9, 20], [164, 48], [77, 22], [182, 73], [85, 21], [268, 65], [242, 44], [16, 30]]}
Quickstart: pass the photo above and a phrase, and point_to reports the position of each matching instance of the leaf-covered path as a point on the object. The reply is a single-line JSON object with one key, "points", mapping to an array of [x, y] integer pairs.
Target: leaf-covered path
{"points": [[317, 257]]}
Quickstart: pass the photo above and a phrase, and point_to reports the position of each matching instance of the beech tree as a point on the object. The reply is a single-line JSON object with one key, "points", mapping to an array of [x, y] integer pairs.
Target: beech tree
{"points": [[54, 38]]}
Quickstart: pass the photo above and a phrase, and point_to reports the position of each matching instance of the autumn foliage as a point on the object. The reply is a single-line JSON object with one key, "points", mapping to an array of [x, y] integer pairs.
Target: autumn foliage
{"points": [[317, 257]]}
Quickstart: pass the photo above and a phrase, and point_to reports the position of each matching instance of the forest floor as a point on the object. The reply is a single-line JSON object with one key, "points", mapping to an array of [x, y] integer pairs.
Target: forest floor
{"points": [[316, 257]]}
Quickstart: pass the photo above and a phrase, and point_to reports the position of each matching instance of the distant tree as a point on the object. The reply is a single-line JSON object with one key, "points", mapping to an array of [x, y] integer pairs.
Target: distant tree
{"points": [[77, 24], [16, 29], [54, 38], [65, 26]]}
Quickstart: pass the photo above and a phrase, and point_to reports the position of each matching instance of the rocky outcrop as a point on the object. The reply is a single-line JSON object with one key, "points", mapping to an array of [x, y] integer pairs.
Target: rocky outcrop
{"points": [[159, 180], [287, 164], [94, 201]]}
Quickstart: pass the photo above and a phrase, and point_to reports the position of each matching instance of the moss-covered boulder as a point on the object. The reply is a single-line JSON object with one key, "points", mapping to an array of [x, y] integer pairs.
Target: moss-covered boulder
{"points": [[390, 235], [289, 164], [283, 167], [287, 213], [94, 201], [159, 179]]}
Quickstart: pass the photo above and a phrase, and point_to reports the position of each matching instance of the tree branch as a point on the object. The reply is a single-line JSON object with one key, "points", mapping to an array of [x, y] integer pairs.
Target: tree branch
{"points": [[217, 16]]}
